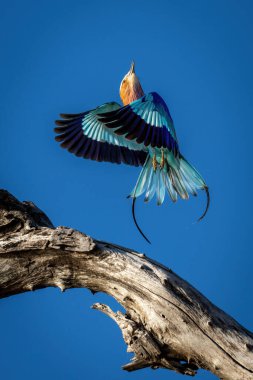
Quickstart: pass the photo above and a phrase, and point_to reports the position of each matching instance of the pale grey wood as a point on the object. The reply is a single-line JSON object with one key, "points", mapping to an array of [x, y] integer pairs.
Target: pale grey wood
{"points": [[167, 322]]}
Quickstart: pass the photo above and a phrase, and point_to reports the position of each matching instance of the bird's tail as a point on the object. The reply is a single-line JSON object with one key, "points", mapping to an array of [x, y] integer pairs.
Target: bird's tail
{"points": [[174, 174]]}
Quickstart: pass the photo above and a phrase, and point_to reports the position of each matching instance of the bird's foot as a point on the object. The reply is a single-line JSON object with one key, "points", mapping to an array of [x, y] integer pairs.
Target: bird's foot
{"points": [[154, 162], [162, 161]]}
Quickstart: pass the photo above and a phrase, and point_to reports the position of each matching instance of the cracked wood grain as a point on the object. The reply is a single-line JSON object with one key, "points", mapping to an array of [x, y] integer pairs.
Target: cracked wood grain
{"points": [[167, 324]]}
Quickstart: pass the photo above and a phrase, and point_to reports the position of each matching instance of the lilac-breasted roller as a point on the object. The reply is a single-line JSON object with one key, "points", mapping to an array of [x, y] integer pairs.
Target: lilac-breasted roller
{"points": [[139, 133]]}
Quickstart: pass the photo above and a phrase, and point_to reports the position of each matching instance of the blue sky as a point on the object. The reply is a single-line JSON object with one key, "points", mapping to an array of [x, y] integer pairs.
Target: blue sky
{"points": [[70, 56]]}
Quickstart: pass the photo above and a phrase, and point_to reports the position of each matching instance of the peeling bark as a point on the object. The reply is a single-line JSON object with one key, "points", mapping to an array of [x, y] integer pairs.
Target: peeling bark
{"points": [[167, 323]]}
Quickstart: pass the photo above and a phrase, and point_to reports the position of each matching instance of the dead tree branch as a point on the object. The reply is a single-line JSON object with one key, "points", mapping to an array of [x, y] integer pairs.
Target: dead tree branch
{"points": [[167, 322]]}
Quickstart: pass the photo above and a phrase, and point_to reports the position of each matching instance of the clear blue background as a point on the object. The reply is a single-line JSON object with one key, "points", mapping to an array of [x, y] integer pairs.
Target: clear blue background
{"points": [[69, 56]]}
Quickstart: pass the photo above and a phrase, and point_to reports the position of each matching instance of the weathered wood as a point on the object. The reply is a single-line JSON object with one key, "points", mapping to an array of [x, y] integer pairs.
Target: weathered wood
{"points": [[167, 322]]}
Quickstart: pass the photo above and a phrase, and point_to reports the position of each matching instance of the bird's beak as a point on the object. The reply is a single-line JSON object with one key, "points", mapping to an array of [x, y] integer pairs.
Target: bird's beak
{"points": [[132, 68]]}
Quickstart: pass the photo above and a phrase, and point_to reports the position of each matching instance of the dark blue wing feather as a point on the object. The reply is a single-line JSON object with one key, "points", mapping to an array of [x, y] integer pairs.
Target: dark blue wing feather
{"points": [[83, 135]]}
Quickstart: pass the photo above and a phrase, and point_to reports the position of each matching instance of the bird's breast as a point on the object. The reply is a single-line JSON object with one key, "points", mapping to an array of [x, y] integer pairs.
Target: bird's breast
{"points": [[129, 94]]}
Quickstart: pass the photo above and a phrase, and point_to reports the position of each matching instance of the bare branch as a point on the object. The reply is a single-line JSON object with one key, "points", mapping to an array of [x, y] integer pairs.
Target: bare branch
{"points": [[167, 323]]}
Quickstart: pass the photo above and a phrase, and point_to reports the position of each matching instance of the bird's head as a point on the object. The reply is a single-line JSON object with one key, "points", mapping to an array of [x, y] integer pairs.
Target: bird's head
{"points": [[130, 87]]}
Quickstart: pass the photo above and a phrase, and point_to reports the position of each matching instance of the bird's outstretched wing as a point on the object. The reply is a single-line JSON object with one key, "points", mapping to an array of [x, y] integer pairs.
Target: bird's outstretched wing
{"points": [[146, 121], [85, 136]]}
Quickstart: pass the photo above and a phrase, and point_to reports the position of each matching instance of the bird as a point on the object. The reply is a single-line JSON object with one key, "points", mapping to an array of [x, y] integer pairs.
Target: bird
{"points": [[140, 132]]}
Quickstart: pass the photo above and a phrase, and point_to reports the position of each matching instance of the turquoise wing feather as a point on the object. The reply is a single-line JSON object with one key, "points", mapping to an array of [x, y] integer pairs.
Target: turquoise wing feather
{"points": [[85, 136], [146, 121]]}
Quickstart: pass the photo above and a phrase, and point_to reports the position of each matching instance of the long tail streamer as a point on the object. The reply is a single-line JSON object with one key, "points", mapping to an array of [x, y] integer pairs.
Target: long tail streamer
{"points": [[207, 203], [199, 219], [135, 221]]}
